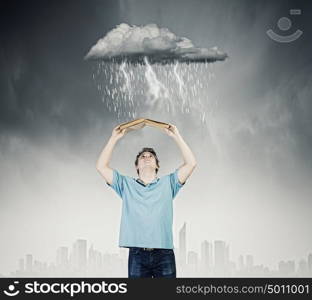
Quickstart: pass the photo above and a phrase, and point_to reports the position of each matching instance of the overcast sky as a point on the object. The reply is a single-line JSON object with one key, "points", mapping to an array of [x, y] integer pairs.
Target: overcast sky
{"points": [[252, 186]]}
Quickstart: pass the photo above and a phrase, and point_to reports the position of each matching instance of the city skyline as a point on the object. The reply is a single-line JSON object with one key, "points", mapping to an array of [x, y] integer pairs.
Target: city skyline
{"points": [[214, 260]]}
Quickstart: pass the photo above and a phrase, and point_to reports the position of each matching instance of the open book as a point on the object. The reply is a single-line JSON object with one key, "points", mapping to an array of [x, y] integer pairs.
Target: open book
{"points": [[140, 123]]}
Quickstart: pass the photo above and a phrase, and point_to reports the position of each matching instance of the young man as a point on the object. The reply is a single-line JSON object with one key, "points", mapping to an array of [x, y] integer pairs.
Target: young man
{"points": [[146, 221]]}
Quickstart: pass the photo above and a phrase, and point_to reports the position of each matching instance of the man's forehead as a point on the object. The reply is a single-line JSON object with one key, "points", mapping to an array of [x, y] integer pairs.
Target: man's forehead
{"points": [[146, 152]]}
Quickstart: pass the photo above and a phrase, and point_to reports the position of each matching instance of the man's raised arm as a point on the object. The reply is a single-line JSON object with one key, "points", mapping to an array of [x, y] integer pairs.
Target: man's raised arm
{"points": [[189, 160], [102, 164]]}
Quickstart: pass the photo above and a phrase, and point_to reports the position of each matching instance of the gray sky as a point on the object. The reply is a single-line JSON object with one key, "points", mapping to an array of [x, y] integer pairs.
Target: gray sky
{"points": [[252, 184]]}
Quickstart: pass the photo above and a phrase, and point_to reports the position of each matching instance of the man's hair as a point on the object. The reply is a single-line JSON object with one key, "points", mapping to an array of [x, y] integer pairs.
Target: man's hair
{"points": [[152, 151]]}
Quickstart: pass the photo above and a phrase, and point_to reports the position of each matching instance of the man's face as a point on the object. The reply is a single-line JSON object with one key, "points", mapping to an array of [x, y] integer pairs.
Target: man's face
{"points": [[146, 160]]}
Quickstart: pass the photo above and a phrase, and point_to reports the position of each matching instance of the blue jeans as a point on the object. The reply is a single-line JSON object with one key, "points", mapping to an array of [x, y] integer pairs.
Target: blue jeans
{"points": [[151, 263]]}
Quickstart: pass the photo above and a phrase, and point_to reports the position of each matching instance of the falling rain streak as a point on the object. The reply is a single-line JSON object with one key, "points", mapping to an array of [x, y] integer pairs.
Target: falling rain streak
{"points": [[176, 88]]}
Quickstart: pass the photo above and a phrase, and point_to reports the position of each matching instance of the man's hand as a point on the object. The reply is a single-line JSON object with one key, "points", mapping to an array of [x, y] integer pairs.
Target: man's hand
{"points": [[172, 131], [118, 133]]}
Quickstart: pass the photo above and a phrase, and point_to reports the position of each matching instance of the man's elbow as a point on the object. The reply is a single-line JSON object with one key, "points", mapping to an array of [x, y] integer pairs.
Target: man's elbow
{"points": [[193, 165], [100, 167]]}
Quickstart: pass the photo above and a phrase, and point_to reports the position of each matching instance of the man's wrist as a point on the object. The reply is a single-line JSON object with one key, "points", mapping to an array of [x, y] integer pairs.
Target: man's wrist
{"points": [[114, 139], [177, 136]]}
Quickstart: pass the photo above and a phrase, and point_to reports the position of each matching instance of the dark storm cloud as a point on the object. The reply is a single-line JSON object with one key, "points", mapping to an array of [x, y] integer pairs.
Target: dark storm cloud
{"points": [[45, 86], [159, 45]]}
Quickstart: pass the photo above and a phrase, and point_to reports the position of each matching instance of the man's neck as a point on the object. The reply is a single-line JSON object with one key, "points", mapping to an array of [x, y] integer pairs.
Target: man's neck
{"points": [[147, 176]]}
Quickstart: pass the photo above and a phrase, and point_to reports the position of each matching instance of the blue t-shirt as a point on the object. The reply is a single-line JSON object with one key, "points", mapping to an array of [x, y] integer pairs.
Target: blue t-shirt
{"points": [[147, 213]]}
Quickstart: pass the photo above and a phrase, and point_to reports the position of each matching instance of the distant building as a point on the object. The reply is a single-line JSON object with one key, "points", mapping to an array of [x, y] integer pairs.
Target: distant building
{"points": [[182, 245], [221, 256], [286, 268], [249, 262], [62, 257], [205, 257], [310, 263], [192, 263], [241, 265], [29, 263], [21, 265], [79, 255], [303, 268], [192, 258]]}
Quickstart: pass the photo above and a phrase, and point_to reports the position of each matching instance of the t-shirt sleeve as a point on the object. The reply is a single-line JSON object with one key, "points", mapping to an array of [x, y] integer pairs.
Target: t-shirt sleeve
{"points": [[118, 182], [174, 182]]}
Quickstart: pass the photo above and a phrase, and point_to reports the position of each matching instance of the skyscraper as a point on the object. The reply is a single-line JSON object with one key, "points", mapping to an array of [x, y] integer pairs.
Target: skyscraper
{"points": [[192, 263], [62, 257], [79, 255], [205, 256], [29, 263], [221, 257], [249, 262], [192, 258], [310, 263], [241, 265], [286, 268], [182, 245], [21, 267], [303, 268]]}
